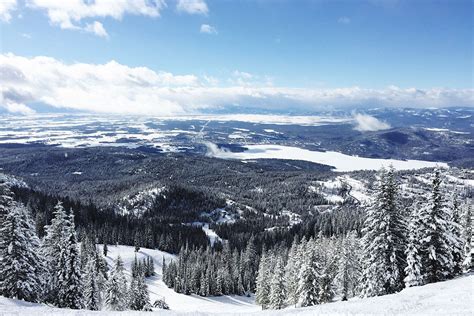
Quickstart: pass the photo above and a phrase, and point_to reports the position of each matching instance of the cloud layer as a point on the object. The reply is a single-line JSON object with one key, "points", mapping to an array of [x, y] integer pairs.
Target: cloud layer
{"points": [[6, 7], [116, 88], [367, 123]]}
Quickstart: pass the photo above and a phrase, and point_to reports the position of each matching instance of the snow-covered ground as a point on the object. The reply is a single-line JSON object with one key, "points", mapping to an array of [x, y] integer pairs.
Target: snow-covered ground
{"points": [[178, 302], [340, 161], [454, 297]]}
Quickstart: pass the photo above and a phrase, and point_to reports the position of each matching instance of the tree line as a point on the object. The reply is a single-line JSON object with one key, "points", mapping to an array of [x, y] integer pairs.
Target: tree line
{"points": [[399, 245], [59, 271]]}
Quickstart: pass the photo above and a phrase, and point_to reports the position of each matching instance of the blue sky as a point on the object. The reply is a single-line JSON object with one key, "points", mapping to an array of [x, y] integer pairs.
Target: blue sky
{"points": [[292, 44]]}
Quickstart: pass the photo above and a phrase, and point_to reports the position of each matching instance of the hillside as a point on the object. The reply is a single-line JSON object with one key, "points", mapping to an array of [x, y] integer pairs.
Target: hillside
{"points": [[454, 297]]}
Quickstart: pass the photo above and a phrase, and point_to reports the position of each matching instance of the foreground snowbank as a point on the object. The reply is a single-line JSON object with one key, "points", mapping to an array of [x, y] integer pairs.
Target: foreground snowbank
{"points": [[454, 297]]}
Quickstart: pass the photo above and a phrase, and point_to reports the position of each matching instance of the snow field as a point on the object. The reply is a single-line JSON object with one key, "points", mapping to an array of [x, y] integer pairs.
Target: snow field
{"points": [[340, 161]]}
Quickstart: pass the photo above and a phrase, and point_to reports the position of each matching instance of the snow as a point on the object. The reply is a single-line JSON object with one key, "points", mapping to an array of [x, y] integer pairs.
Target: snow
{"points": [[177, 302], [211, 234], [340, 161], [454, 297]]}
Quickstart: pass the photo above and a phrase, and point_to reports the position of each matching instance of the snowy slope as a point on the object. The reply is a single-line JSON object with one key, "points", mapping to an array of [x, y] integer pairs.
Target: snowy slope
{"points": [[176, 301], [454, 297]]}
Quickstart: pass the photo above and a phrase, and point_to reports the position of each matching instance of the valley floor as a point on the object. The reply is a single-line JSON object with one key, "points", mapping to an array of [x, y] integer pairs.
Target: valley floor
{"points": [[454, 297]]}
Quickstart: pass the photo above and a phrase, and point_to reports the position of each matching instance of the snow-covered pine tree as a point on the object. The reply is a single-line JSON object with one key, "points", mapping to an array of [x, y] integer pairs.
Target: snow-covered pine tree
{"points": [[277, 286], [21, 265], [384, 240], [348, 270], [6, 202], [468, 263], [138, 294], [455, 240], [69, 273], [413, 270], [135, 267], [291, 273], [249, 265], [262, 294], [116, 296], [53, 243], [151, 266], [308, 285], [92, 295], [105, 249], [436, 255]]}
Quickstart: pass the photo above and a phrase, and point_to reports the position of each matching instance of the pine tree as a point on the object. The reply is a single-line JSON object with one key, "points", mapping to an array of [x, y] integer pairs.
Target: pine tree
{"points": [[135, 267], [21, 266], [308, 286], [413, 271], [91, 288], [53, 243], [468, 263], [384, 242], [105, 249], [436, 255], [250, 265], [277, 286], [348, 271], [138, 294], [291, 274], [6, 203], [116, 296], [69, 274], [262, 294], [455, 239]]}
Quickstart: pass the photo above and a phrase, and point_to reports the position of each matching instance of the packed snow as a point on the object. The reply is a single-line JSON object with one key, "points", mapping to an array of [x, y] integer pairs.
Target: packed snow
{"points": [[340, 161]]}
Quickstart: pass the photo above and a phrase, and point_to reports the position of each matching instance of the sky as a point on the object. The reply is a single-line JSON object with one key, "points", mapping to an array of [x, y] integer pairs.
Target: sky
{"points": [[189, 56]]}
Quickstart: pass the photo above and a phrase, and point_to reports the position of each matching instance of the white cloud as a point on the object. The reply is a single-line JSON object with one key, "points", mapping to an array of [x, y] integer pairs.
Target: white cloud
{"points": [[68, 14], [344, 20], [6, 7], [192, 7], [97, 28], [116, 88], [367, 123], [206, 28]]}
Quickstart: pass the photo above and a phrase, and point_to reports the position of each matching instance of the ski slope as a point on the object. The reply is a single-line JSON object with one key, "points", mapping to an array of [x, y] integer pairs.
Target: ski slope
{"points": [[454, 297]]}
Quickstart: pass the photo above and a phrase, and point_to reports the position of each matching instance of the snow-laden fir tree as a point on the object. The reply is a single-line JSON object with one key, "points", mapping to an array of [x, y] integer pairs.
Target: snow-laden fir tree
{"points": [[308, 285], [53, 243], [277, 286], [138, 294], [250, 265], [6, 201], [348, 270], [328, 254], [116, 296], [435, 235], [413, 270], [21, 265], [291, 273], [262, 294], [384, 240], [455, 240], [69, 274], [467, 236], [92, 295]]}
